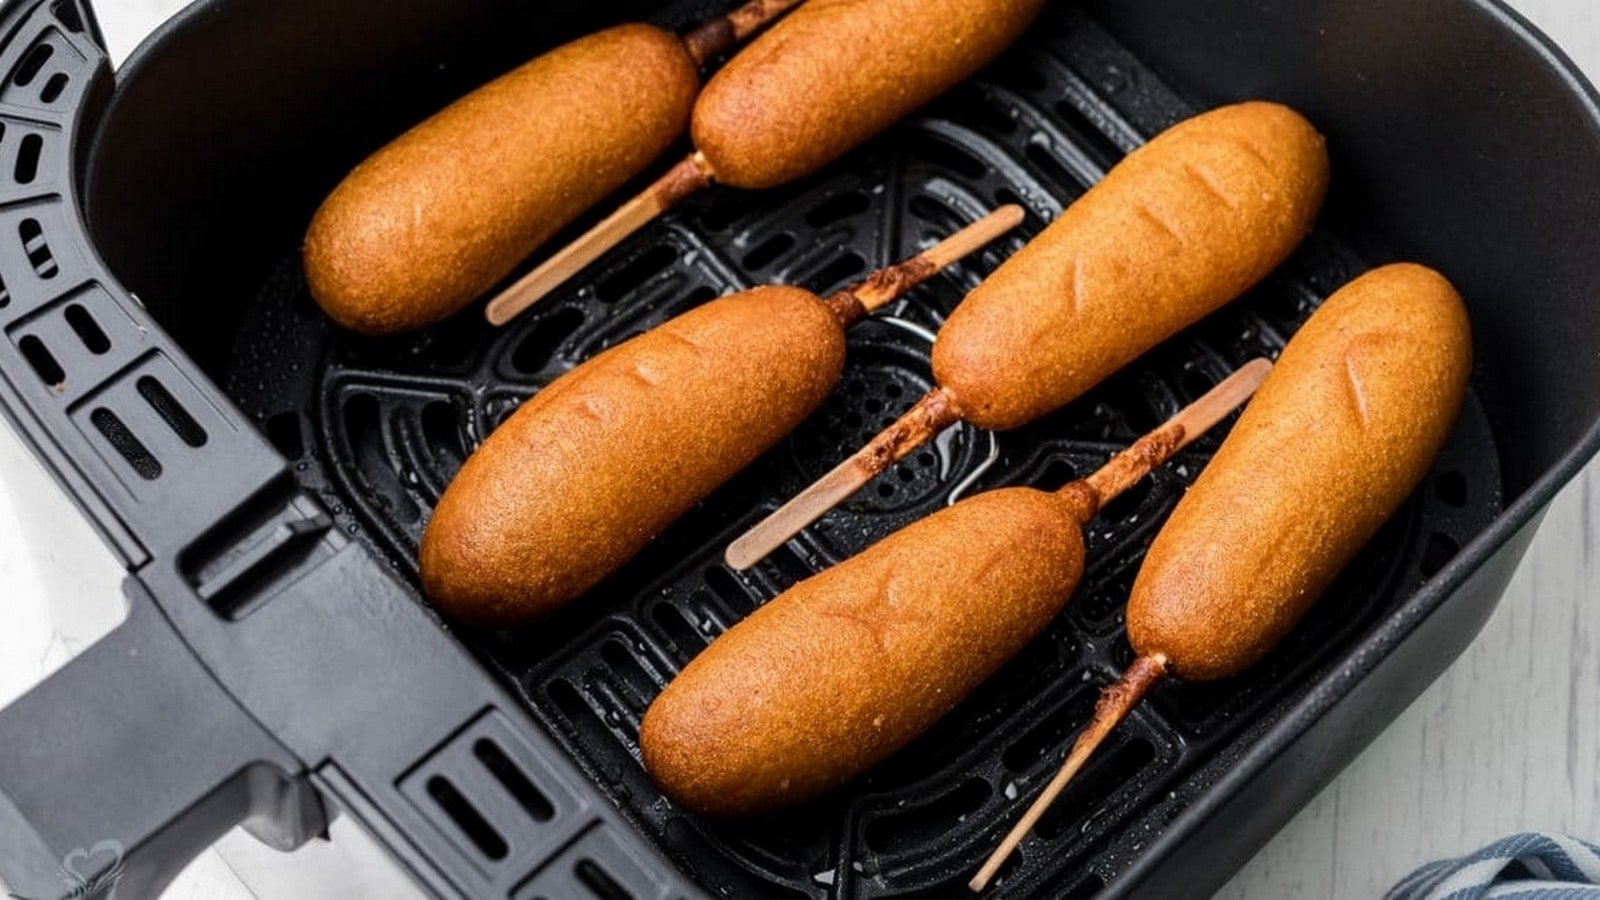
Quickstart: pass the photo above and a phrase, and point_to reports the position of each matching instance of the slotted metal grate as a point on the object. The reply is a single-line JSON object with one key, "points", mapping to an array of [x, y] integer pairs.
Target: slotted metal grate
{"points": [[379, 427]]}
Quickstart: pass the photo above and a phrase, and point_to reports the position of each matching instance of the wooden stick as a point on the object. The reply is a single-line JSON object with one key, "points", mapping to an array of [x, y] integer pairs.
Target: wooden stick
{"points": [[1115, 702], [1111, 479], [682, 180], [932, 414], [717, 36], [1143, 456], [855, 301]]}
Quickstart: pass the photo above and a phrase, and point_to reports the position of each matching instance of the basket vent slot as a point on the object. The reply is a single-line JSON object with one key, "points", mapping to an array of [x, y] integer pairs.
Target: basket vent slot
{"points": [[767, 252], [467, 818], [87, 329], [843, 267], [599, 881], [838, 208], [513, 780], [43, 361], [641, 269], [112, 428], [54, 87], [27, 167], [32, 63], [171, 411], [538, 347], [38, 250]]}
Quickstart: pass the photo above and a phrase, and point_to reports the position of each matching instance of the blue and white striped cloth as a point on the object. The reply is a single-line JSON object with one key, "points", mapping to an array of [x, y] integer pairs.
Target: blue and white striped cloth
{"points": [[1524, 866]]}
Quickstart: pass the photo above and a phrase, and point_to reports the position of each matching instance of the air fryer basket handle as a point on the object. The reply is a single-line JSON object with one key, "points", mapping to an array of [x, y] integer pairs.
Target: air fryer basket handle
{"points": [[125, 764]]}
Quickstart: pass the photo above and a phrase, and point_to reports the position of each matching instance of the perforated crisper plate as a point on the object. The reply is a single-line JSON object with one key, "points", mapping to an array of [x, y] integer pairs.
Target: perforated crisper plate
{"points": [[379, 427]]}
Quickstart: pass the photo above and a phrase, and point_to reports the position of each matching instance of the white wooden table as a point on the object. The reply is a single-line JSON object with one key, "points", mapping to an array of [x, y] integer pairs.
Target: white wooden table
{"points": [[1507, 740]]}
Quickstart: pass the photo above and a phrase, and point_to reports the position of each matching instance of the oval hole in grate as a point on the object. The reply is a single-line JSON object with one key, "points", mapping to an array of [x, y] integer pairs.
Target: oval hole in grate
{"points": [[679, 631], [1440, 549], [87, 329], [1049, 733], [1021, 76], [512, 778], [1098, 780], [467, 818], [1452, 488], [568, 700], [111, 426], [1089, 138], [42, 360], [27, 167], [837, 207], [1195, 381], [943, 219], [283, 430], [636, 272], [946, 155], [442, 431], [837, 273], [28, 70], [539, 346], [171, 411], [38, 250], [972, 108], [1055, 475], [627, 668], [599, 881], [1128, 502], [915, 826], [54, 87], [725, 585], [1040, 155], [767, 252]]}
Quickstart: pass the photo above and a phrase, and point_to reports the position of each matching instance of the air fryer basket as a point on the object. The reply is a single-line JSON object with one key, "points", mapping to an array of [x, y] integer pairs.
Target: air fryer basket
{"points": [[276, 577]]}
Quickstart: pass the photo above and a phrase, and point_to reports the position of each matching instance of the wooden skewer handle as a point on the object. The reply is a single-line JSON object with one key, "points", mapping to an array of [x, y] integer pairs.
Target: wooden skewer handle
{"points": [[1115, 702], [851, 303], [932, 414], [687, 177], [1149, 452], [717, 36]]}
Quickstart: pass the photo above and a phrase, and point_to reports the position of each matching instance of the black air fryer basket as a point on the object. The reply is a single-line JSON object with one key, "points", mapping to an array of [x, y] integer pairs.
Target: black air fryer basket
{"points": [[265, 477]]}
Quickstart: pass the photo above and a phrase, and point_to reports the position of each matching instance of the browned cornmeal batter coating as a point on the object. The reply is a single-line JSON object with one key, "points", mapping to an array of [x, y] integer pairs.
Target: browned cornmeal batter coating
{"points": [[586, 472], [845, 668], [836, 72], [1182, 226], [437, 217], [1337, 437]]}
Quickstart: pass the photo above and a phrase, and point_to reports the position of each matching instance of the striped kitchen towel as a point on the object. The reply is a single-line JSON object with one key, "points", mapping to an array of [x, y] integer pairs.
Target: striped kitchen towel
{"points": [[1524, 866]]}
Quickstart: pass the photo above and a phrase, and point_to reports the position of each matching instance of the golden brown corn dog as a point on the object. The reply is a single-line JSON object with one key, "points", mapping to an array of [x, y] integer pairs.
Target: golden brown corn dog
{"points": [[1337, 439], [848, 666], [1183, 225], [432, 220], [836, 73], [1339, 435], [583, 475], [830, 75]]}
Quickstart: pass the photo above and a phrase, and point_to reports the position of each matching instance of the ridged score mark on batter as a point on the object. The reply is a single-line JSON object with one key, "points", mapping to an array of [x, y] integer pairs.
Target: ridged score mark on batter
{"points": [[1354, 392], [1211, 185], [1077, 285], [1250, 148], [1150, 214]]}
